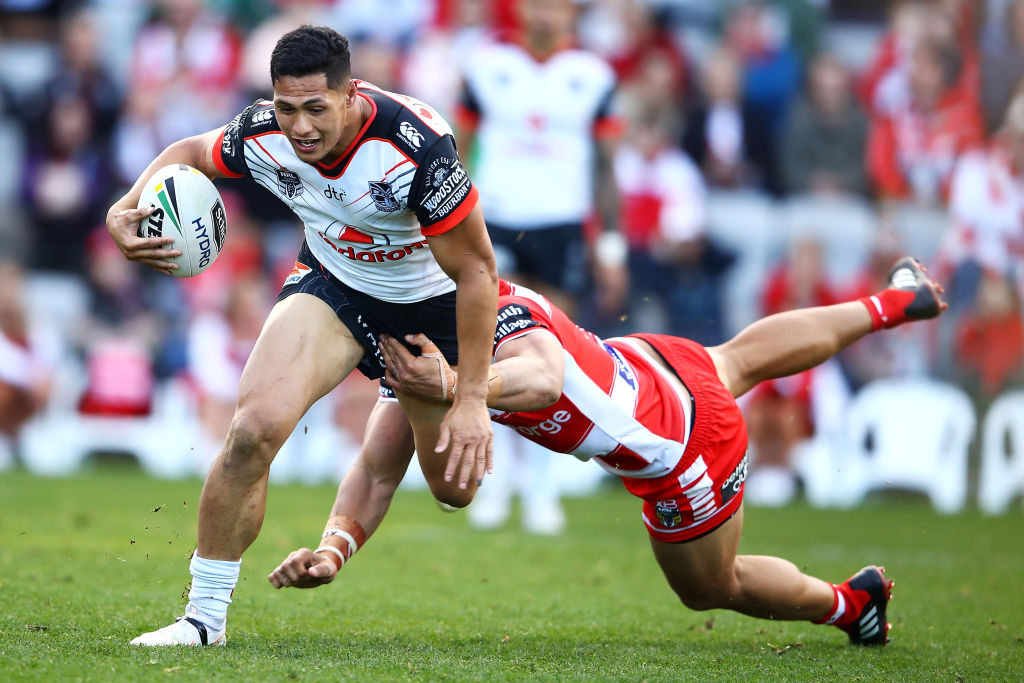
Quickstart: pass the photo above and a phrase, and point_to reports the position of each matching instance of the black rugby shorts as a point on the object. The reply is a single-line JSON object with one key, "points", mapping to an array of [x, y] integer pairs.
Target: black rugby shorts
{"points": [[554, 255], [367, 317]]}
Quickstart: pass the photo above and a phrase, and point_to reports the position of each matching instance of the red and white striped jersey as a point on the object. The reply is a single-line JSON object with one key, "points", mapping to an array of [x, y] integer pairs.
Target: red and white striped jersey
{"points": [[366, 214], [618, 405]]}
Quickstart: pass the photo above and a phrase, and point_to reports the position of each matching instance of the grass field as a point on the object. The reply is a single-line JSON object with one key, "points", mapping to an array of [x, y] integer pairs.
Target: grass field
{"points": [[87, 563]]}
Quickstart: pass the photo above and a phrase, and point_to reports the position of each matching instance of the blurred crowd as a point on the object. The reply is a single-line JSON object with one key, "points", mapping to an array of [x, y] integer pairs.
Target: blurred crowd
{"points": [[772, 154]]}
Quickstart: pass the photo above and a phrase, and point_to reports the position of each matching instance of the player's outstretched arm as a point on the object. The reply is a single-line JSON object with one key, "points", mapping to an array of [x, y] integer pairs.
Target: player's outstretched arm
{"points": [[363, 498], [527, 375], [465, 254], [123, 217]]}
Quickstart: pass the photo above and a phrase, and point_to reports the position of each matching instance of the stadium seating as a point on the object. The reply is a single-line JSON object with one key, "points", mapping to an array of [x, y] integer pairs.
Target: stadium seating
{"points": [[900, 434], [1002, 453], [59, 441]]}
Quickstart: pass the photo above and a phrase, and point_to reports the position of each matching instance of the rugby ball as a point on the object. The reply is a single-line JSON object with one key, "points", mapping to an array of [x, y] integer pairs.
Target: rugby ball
{"points": [[189, 209]]}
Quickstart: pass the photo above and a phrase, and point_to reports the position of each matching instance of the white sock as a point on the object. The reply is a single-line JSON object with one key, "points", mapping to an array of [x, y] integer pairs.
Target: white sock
{"points": [[212, 584]]}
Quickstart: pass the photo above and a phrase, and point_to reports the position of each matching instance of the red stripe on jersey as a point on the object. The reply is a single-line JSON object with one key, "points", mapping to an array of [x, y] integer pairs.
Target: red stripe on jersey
{"points": [[406, 161], [358, 198], [455, 217], [268, 132], [355, 141], [420, 112], [268, 153], [218, 160], [350, 158]]}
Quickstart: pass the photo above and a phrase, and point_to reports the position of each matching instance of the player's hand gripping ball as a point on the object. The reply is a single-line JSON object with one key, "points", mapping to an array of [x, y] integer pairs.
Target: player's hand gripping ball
{"points": [[188, 208]]}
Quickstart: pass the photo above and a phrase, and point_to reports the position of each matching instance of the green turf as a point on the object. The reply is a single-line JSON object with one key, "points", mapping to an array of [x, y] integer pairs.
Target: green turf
{"points": [[87, 563]]}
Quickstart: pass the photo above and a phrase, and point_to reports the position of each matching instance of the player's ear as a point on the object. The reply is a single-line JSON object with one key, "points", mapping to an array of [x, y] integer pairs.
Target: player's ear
{"points": [[351, 93]]}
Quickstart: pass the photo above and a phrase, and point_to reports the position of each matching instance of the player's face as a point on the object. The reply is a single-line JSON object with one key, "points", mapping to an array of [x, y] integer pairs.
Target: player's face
{"points": [[547, 22], [313, 116]]}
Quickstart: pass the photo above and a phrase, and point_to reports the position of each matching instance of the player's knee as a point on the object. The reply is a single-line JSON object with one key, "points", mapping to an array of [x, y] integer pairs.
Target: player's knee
{"points": [[453, 496], [449, 493], [253, 439]]}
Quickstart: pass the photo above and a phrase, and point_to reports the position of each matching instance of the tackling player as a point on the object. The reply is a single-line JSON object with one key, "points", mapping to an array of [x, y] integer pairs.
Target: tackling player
{"points": [[394, 243], [660, 413]]}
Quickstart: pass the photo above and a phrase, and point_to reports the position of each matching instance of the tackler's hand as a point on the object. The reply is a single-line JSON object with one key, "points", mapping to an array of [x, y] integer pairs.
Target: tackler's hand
{"points": [[466, 429], [427, 376]]}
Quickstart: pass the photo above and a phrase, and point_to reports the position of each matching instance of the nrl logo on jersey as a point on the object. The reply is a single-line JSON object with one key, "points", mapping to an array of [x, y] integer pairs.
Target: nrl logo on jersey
{"points": [[410, 134], [383, 197], [289, 183]]}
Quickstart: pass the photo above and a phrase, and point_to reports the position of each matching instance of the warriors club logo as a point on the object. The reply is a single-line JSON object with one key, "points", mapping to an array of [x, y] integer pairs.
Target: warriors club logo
{"points": [[383, 197]]}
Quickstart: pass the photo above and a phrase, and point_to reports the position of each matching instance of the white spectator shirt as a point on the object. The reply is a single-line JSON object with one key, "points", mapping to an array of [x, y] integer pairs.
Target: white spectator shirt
{"points": [[537, 122], [673, 180], [366, 216], [987, 206]]}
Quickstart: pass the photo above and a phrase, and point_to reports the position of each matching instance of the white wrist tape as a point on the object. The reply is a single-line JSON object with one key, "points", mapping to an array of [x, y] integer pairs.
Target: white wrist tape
{"points": [[331, 549], [352, 545]]}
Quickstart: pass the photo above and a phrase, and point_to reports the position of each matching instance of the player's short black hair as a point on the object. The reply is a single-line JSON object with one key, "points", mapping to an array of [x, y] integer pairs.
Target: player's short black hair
{"points": [[312, 50]]}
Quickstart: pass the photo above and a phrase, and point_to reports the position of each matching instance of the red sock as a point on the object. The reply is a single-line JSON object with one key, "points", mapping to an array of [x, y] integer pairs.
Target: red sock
{"points": [[838, 610], [888, 308]]}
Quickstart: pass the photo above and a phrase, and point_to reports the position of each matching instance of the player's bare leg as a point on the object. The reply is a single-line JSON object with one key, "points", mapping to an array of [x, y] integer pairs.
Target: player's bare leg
{"points": [[706, 574], [302, 353], [425, 418], [791, 342]]}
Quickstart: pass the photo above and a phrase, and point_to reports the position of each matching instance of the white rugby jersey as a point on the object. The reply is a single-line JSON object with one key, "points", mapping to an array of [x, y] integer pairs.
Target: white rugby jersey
{"points": [[367, 214], [537, 121], [617, 406]]}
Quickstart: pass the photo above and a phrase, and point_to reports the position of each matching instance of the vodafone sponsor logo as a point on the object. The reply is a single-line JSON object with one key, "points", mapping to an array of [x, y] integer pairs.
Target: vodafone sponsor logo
{"points": [[375, 255]]}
